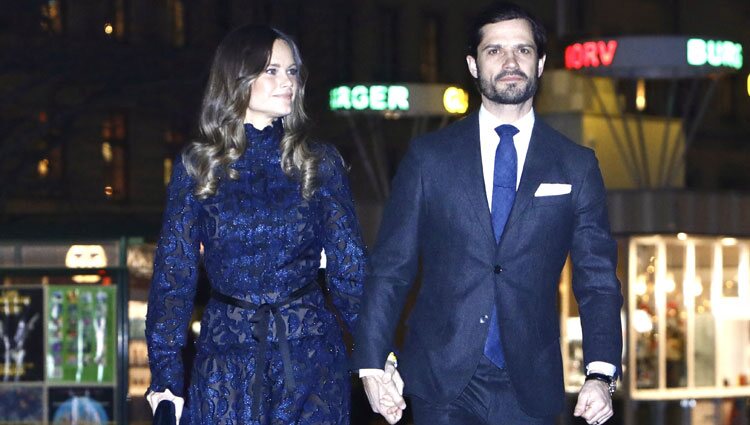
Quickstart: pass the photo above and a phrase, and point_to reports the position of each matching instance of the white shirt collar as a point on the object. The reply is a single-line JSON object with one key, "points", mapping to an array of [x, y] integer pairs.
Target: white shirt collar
{"points": [[525, 124], [488, 141]]}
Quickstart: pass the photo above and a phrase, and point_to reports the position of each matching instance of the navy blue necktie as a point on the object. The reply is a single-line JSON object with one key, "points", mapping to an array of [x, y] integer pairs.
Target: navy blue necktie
{"points": [[503, 195]]}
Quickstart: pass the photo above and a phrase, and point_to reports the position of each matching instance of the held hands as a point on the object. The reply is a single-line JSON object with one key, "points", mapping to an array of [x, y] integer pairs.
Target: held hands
{"points": [[385, 393], [594, 403], [154, 398]]}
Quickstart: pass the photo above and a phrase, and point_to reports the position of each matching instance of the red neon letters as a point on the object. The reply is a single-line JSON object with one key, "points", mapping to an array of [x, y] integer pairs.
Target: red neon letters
{"points": [[590, 54]]}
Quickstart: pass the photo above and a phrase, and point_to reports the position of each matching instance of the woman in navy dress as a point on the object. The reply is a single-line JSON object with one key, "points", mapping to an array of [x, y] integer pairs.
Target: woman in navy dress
{"points": [[256, 202]]}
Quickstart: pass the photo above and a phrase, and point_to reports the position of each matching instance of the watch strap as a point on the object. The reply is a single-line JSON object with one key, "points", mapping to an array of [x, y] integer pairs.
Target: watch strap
{"points": [[609, 380]]}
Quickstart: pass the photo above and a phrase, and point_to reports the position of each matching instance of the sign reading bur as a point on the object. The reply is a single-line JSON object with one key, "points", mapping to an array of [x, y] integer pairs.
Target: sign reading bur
{"points": [[715, 53]]}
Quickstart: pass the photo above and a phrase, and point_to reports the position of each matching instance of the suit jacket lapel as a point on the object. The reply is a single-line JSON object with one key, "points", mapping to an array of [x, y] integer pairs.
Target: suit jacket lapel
{"points": [[533, 172], [469, 176]]}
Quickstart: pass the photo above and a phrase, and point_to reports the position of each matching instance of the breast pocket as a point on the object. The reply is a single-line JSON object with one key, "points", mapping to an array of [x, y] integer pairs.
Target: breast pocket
{"points": [[540, 201]]}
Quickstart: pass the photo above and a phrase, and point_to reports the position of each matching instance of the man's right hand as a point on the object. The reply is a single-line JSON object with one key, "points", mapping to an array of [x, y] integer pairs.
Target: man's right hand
{"points": [[154, 398], [385, 393]]}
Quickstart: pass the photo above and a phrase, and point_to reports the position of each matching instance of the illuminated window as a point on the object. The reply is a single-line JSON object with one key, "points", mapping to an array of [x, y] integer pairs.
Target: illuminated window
{"points": [[51, 21], [43, 168], [115, 156], [693, 295], [640, 94], [177, 22], [114, 21], [49, 166], [119, 21], [168, 162], [429, 67]]}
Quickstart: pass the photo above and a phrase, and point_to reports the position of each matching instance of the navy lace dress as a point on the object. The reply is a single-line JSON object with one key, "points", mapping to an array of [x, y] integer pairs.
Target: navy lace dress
{"points": [[261, 243]]}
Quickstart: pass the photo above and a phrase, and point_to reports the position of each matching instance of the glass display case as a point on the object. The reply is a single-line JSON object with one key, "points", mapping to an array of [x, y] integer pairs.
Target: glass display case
{"points": [[686, 324], [689, 304], [62, 331]]}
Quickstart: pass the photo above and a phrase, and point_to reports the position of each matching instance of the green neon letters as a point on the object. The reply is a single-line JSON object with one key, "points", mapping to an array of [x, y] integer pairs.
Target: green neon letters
{"points": [[374, 98], [715, 53]]}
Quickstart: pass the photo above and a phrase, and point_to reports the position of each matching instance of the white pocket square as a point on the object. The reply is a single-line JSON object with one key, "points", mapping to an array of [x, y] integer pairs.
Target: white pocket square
{"points": [[552, 189]]}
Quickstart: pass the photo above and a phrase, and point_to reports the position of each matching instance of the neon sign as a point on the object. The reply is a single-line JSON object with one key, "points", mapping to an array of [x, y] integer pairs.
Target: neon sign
{"points": [[399, 100], [715, 53], [590, 54], [374, 98]]}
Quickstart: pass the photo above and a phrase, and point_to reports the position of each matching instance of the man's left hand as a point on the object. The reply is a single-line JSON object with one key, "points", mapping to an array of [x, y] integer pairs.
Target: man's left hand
{"points": [[594, 403]]}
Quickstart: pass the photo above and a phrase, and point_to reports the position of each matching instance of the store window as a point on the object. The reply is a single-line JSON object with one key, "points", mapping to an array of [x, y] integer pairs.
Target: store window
{"points": [[689, 305], [140, 261], [686, 318], [61, 315]]}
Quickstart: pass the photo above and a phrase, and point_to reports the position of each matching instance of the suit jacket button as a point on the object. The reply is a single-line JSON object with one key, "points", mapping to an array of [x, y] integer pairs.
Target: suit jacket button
{"points": [[484, 319], [498, 269]]}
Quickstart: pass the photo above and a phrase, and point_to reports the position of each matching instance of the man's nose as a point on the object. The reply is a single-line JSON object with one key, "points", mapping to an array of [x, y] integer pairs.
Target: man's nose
{"points": [[510, 61]]}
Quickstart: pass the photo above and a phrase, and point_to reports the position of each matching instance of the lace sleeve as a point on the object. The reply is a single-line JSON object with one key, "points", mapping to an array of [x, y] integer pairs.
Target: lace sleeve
{"points": [[345, 252], [170, 300]]}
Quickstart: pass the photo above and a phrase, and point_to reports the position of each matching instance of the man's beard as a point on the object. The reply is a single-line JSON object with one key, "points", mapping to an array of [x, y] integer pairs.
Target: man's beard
{"points": [[514, 93]]}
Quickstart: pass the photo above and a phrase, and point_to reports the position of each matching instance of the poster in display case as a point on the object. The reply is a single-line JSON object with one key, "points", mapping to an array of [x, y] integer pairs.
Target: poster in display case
{"points": [[21, 335], [81, 406], [21, 404], [81, 334]]}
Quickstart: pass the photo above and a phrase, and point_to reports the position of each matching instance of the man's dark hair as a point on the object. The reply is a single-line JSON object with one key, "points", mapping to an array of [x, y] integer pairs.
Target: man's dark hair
{"points": [[504, 11]]}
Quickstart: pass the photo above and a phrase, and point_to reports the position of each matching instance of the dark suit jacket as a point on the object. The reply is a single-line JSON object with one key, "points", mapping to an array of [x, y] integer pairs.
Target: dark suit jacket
{"points": [[438, 213]]}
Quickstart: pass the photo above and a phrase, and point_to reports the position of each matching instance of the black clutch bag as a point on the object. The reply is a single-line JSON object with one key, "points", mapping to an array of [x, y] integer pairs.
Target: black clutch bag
{"points": [[165, 414]]}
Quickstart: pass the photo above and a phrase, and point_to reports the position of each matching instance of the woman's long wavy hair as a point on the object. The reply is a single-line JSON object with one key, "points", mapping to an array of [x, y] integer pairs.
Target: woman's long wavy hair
{"points": [[240, 58]]}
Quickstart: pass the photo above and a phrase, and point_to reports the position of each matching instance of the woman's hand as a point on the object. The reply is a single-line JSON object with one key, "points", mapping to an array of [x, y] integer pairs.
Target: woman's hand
{"points": [[154, 398]]}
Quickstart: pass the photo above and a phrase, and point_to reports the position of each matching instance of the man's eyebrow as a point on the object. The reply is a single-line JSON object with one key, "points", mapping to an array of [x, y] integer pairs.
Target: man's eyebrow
{"points": [[500, 46]]}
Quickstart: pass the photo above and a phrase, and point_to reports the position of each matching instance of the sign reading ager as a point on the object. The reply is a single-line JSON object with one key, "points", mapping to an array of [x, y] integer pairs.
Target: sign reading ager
{"points": [[402, 100], [375, 98], [715, 53]]}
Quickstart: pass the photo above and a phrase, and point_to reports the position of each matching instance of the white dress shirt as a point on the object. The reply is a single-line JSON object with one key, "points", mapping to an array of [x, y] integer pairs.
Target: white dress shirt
{"points": [[489, 139]]}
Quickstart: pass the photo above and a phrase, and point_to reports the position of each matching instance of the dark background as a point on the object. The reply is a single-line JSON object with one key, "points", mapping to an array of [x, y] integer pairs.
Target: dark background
{"points": [[96, 96]]}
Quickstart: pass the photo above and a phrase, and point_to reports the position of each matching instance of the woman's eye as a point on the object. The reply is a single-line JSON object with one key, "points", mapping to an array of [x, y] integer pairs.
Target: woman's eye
{"points": [[293, 71], [271, 71]]}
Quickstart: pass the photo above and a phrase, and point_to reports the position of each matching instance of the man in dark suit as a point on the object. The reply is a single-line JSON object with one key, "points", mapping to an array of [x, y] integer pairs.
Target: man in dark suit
{"points": [[491, 206]]}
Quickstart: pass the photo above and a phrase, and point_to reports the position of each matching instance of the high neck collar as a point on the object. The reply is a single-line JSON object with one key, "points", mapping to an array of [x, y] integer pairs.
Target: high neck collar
{"points": [[269, 135]]}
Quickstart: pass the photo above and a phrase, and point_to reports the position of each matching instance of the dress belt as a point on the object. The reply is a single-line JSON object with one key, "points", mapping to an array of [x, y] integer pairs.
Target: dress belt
{"points": [[260, 320]]}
